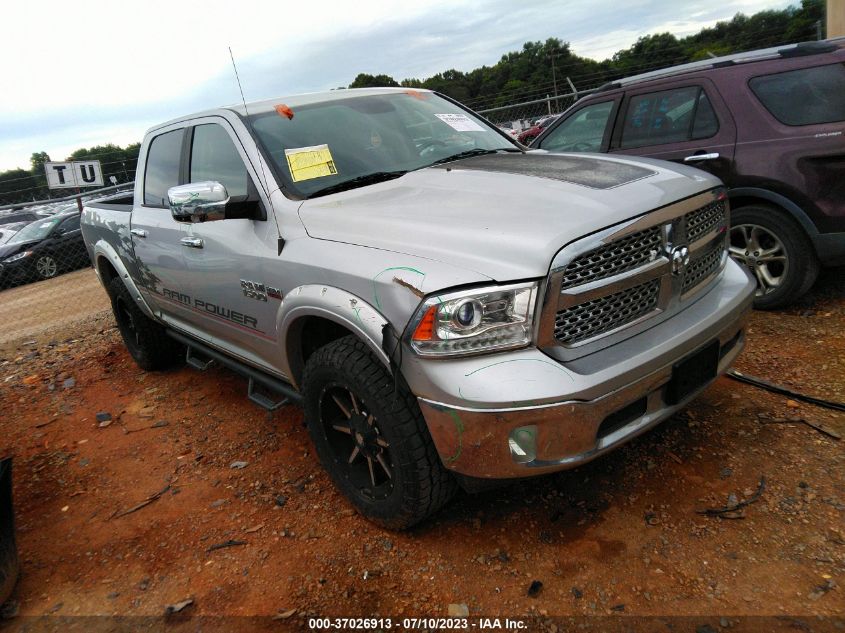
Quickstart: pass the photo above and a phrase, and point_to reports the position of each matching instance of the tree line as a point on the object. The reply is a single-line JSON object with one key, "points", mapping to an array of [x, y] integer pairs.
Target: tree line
{"points": [[518, 76], [27, 185], [528, 74]]}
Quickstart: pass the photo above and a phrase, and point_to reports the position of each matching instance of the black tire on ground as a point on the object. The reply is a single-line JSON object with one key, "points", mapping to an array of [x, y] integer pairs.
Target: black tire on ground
{"points": [[371, 437], [801, 266], [146, 340]]}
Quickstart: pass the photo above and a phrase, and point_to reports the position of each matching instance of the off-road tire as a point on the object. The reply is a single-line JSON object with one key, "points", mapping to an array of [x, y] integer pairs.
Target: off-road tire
{"points": [[146, 340], [420, 485], [803, 265]]}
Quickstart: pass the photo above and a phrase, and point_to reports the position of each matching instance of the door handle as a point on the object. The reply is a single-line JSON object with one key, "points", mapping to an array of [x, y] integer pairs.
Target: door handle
{"points": [[695, 158], [191, 242], [138, 232]]}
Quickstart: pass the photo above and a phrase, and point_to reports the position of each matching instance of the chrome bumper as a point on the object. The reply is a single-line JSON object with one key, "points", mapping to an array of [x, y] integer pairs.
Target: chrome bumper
{"points": [[484, 426]]}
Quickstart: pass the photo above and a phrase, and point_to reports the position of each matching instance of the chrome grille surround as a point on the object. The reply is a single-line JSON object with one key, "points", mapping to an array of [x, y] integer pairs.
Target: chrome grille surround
{"points": [[701, 267], [624, 254], [620, 281], [597, 316], [705, 219]]}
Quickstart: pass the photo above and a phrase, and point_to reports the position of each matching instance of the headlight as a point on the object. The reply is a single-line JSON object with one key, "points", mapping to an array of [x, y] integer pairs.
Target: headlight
{"points": [[475, 321], [15, 258]]}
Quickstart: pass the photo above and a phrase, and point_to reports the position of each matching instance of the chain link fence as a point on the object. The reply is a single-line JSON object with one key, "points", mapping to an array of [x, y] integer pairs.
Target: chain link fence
{"points": [[43, 239]]}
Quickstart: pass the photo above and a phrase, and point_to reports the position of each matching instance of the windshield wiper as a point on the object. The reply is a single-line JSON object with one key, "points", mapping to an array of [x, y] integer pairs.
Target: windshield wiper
{"points": [[473, 152], [358, 181]]}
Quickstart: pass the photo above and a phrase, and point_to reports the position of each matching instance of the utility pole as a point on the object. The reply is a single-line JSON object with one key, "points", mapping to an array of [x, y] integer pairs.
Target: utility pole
{"points": [[554, 79]]}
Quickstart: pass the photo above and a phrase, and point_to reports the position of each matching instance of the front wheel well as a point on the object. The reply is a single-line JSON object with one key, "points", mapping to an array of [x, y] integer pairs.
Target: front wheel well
{"points": [[308, 334]]}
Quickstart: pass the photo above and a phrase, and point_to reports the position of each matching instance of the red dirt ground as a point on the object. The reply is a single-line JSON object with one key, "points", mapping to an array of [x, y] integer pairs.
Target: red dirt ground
{"points": [[619, 536]]}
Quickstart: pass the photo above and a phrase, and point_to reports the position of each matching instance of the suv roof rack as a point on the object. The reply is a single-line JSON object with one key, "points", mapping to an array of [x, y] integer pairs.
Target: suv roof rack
{"points": [[790, 50]]}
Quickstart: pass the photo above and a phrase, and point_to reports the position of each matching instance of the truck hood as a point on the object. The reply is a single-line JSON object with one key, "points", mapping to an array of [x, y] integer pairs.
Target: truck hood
{"points": [[503, 216]]}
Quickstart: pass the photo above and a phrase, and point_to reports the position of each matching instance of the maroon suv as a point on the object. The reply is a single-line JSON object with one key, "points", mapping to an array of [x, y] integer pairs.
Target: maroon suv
{"points": [[769, 123]]}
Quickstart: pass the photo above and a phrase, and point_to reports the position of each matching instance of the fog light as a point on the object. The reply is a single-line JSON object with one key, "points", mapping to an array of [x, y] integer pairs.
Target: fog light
{"points": [[523, 444]]}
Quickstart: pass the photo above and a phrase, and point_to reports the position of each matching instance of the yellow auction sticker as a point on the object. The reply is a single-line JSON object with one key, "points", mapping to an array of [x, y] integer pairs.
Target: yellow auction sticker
{"points": [[306, 163]]}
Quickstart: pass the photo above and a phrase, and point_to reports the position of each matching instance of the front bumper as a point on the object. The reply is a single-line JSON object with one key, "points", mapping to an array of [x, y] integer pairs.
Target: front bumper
{"points": [[521, 413]]}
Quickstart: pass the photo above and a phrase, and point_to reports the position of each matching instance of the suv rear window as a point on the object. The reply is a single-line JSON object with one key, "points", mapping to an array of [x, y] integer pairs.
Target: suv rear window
{"points": [[804, 97]]}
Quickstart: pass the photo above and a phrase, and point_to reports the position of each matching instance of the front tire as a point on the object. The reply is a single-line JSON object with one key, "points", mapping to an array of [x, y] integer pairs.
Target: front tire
{"points": [[46, 266], [371, 437], [146, 340], [776, 252]]}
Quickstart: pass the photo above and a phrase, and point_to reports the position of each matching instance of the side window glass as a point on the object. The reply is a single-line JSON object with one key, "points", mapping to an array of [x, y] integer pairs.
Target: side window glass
{"points": [[660, 117], [71, 224], [807, 96], [162, 171], [214, 157], [706, 124], [580, 132]]}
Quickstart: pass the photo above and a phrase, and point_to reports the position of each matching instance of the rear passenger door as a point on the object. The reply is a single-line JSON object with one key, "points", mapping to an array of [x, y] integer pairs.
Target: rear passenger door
{"points": [[687, 123], [155, 235]]}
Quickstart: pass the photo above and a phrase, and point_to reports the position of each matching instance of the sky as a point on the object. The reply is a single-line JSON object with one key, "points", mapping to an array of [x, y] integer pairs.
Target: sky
{"points": [[89, 72]]}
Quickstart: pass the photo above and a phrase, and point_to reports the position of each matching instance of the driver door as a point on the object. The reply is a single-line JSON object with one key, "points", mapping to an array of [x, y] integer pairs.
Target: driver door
{"points": [[231, 259]]}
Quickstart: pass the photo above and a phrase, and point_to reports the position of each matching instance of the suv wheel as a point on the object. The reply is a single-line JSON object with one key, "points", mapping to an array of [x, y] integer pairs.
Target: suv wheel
{"points": [[146, 340], [370, 436], [776, 252]]}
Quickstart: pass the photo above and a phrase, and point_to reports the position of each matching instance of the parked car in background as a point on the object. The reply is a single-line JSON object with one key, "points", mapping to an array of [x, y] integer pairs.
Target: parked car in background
{"points": [[509, 131], [7, 231], [769, 123], [42, 249], [526, 136]]}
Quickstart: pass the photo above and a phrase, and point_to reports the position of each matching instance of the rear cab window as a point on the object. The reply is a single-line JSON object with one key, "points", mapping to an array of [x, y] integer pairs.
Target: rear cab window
{"points": [[808, 96], [669, 116]]}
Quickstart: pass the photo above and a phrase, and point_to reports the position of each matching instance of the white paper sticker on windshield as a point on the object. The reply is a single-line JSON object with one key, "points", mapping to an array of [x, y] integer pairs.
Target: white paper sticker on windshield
{"points": [[460, 122], [310, 162]]}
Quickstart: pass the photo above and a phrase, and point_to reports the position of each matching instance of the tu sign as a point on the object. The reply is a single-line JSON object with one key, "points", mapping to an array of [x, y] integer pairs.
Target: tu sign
{"points": [[70, 175]]}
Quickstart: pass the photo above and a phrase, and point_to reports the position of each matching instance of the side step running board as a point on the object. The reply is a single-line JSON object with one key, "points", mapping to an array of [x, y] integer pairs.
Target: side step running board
{"points": [[201, 356]]}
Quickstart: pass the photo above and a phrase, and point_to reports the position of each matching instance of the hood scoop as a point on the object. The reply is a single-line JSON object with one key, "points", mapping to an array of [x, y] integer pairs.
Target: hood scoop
{"points": [[578, 170]]}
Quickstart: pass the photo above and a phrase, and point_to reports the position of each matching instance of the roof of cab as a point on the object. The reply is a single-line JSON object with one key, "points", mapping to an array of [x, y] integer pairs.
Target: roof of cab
{"points": [[292, 101]]}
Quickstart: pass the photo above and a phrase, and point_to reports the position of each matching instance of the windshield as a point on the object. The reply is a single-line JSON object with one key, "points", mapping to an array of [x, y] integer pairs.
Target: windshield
{"points": [[368, 139], [35, 231]]}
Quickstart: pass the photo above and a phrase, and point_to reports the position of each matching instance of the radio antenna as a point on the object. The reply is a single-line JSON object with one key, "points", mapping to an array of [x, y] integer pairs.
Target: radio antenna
{"points": [[260, 157]]}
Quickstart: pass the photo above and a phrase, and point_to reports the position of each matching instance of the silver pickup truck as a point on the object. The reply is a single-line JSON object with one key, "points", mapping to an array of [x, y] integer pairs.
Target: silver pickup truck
{"points": [[448, 307]]}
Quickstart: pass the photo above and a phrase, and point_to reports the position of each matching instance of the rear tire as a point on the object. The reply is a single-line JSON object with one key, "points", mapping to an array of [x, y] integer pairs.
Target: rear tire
{"points": [[776, 251], [146, 340], [371, 437]]}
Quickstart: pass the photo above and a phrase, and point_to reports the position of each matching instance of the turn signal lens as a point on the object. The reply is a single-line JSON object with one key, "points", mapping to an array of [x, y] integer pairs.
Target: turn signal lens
{"points": [[425, 330]]}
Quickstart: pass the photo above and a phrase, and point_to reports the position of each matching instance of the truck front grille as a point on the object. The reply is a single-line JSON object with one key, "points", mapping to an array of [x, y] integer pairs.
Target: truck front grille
{"points": [[702, 267], [626, 278], [701, 221], [586, 320], [617, 257]]}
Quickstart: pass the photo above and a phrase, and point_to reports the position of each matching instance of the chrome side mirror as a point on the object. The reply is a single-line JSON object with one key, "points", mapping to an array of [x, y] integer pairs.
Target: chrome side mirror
{"points": [[198, 201]]}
